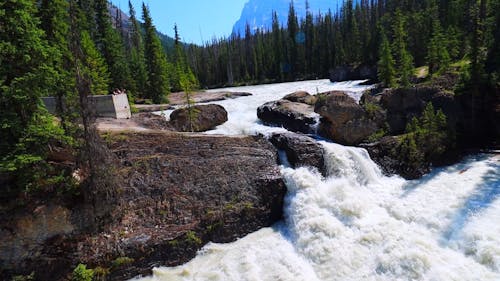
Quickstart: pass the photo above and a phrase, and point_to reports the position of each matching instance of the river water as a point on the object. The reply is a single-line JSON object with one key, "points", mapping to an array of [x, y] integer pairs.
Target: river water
{"points": [[357, 224]]}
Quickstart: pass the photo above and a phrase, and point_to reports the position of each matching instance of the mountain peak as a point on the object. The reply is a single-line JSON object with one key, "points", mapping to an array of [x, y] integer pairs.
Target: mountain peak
{"points": [[258, 13]]}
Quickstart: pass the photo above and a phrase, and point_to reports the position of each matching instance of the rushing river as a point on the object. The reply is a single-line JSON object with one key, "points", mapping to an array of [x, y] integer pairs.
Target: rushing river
{"points": [[357, 224]]}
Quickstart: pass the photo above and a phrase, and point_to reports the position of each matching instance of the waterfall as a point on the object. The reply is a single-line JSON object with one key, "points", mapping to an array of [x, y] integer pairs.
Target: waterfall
{"points": [[357, 224]]}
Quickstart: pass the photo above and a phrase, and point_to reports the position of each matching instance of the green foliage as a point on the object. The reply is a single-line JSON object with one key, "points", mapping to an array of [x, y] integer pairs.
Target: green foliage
{"points": [[438, 57], [404, 59], [386, 70], [121, 261], [409, 153], [81, 273], [377, 135], [100, 273], [188, 82], [111, 46], [136, 54], [30, 277], [156, 63], [372, 109], [26, 72], [94, 66], [55, 21], [426, 139], [192, 238], [214, 226]]}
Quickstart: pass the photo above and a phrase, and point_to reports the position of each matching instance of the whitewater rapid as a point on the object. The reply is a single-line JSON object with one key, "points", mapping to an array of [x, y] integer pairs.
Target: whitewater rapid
{"points": [[356, 224]]}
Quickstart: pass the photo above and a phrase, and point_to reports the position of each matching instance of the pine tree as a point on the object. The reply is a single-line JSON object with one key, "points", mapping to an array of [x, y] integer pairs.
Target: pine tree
{"points": [[438, 57], [386, 63], [478, 14], [55, 23], [293, 30], [93, 66], [404, 60], [277, 48], [136, 53], [111, 46], [86, 16], [25, 75], [156, 64]]}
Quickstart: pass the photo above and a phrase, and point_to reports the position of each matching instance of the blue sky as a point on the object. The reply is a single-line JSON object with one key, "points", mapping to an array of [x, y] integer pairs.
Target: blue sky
{"points": [[196, 19]]}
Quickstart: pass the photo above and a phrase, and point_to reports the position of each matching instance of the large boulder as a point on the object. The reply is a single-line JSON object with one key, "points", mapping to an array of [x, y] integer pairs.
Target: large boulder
{"points": [[177, 193], [344, 121], [300, 150], [294, 116], [206, 117]]}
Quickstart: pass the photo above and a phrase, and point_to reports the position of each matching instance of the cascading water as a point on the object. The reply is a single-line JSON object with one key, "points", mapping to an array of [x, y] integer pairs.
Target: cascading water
{"points": [[357, 224]]}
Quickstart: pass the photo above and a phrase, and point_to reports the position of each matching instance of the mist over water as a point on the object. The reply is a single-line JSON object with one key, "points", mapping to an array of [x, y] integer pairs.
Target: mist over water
{"points": [[356, 224]]}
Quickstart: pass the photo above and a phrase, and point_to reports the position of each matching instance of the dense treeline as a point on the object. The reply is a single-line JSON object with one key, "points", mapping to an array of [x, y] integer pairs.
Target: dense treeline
{"points": [[72, 49], [424, 32]]}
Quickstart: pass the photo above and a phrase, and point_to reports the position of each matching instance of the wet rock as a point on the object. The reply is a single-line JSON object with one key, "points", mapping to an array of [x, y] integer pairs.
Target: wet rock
{"points": [[300, 150], [294, 116], [302, 97], [206, 117], [384, 152], [343, 120]]}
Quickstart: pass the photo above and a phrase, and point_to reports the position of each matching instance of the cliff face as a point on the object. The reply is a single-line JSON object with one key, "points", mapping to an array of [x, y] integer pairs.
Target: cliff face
{"points": [[177, 192]]}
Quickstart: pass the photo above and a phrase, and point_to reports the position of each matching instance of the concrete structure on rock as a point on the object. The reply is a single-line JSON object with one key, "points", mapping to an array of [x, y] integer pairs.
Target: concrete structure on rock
{"points": [[111, 106]]}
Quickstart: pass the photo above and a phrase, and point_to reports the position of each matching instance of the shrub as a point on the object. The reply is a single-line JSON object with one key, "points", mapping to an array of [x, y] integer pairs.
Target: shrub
{"points": [[81, 273], [122, 261], [192, 238], [426, 140]]}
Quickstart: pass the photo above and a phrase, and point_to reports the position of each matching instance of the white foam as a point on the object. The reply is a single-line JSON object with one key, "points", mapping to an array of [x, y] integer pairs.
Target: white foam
{"points": [[357, 224]]}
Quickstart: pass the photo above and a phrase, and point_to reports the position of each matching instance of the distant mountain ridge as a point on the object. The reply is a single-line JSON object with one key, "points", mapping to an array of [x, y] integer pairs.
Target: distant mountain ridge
{"points": [[121, 19], [258, 13]]}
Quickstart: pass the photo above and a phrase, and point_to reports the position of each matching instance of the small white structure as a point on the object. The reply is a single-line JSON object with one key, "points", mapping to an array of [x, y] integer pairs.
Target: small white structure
{"points": [[111, 106]]}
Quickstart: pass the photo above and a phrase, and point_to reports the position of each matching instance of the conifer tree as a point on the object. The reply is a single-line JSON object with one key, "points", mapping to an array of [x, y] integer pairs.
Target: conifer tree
{"points": [[404, 60], [25, 75], [156, 64], [111, 46], [55, 23], [293, 29], [386, 63], [438, 57], [277, 48], [86, 16], [136, 52], [93, 66]]}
